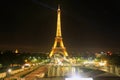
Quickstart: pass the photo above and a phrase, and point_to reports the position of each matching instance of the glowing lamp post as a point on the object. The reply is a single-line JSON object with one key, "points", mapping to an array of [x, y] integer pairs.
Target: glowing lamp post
{"points": [[8, 72]]}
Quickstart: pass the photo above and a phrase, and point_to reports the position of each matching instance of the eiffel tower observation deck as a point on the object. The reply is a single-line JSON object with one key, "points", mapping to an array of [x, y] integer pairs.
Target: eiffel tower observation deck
{"points": [[58, 47]]}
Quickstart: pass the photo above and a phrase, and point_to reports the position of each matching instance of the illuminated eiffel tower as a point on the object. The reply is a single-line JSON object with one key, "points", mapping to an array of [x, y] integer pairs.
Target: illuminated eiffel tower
{"points": [[58, 46]]}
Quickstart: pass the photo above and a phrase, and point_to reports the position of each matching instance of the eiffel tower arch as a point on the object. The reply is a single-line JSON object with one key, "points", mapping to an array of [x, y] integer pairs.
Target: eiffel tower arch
{"points": [[58, 47]]}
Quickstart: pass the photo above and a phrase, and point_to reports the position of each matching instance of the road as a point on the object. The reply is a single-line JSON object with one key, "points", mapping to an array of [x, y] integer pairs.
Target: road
{"points": [[39, 73], [18, 75]]}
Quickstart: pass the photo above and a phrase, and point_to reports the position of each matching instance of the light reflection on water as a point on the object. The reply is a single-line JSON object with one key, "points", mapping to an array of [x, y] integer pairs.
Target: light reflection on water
{"points": [[63, 71]]}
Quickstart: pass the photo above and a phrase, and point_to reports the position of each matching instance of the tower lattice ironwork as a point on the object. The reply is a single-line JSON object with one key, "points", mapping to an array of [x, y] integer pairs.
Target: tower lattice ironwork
{"points": [[58, 46]]}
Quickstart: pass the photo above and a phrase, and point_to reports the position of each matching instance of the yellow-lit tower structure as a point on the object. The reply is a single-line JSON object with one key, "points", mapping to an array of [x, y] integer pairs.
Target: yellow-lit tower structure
{"points": [[58, 46]]}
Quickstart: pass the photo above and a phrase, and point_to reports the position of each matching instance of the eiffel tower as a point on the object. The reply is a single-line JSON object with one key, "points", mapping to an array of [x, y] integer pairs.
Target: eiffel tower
{"points": [[58, 46]]}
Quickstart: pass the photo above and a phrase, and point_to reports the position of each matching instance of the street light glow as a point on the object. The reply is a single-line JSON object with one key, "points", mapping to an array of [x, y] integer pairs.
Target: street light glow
{"points": [[9, 70]]}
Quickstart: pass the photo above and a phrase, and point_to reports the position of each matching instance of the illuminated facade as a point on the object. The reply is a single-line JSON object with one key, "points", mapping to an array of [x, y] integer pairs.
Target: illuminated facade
{"points": [[58, 46], [16, 51]]}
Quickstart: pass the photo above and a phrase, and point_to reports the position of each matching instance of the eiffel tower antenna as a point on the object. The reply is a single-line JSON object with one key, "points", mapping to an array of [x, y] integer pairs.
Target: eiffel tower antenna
{"points": [[58, 46], [58, 32]]}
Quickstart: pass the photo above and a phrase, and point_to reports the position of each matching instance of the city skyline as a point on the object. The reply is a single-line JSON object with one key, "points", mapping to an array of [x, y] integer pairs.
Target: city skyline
{"points": [[31, 25]]}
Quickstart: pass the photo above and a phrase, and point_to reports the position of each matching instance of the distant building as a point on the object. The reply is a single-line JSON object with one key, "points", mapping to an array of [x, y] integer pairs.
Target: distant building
{"points": [[16, 51]]}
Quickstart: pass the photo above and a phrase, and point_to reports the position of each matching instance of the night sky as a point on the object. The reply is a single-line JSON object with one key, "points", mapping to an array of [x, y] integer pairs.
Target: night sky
{"points": [[30, 25]]}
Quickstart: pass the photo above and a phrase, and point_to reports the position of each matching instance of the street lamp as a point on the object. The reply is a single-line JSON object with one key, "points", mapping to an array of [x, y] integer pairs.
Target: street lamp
{"points": [[9, 70]]}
